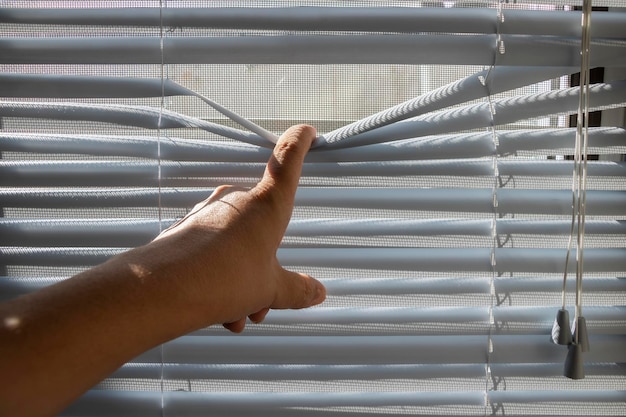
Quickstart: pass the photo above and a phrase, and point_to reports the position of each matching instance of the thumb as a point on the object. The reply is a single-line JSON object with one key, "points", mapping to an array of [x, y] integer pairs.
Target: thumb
{"points": [[283, 169], [295, 290]]}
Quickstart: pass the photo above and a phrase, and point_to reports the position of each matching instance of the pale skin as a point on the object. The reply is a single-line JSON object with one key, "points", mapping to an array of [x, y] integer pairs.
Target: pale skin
{"points": [[216, 266]]}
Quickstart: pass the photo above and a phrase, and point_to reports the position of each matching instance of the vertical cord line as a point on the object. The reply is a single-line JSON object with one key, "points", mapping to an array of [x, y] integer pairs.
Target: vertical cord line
{"points": [[582, 132], [573, 221], [159, 173], [161, 108], [494, 222], [580, 162]]}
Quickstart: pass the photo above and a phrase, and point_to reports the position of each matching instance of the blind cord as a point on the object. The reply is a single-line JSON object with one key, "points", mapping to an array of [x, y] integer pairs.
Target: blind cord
{"points": [[573, 368], [582, 129], [159, 177], [494, 231]]}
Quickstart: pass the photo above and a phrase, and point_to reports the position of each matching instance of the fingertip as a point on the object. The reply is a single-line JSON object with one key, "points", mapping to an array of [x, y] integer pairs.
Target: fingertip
{"points": [[259, 316], [294, 143], [315, 292], [320, 293], [298, 291], [300, 132], [236, 326], [284, 166]]}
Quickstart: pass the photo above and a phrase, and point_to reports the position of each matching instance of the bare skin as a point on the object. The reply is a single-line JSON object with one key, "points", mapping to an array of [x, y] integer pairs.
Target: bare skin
{"points": [[216, 266]]}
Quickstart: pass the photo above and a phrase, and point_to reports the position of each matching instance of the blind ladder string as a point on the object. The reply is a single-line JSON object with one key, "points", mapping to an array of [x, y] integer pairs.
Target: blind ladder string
{"points": [[582, 130], [494, 219], [159, 174], [223, 110]]}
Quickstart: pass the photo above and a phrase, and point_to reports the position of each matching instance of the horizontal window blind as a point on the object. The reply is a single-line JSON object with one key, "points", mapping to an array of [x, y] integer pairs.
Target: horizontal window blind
{"points": [[436, 204]]}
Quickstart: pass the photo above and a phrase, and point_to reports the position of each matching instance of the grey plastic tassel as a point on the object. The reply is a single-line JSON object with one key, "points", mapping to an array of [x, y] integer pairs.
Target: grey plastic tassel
{"points": [[561, 330]]}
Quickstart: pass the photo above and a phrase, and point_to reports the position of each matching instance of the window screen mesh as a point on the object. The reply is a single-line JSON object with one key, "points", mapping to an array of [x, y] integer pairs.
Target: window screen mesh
{"points": [[388, 327]]}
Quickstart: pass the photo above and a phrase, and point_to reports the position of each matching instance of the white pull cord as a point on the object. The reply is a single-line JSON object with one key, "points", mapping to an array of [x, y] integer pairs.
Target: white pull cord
{"points": [[580, 343]]}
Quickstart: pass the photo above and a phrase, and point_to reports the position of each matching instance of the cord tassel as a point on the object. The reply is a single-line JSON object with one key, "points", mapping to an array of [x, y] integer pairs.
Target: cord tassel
{"points": [[561, 332], [580, 332], [574, 362]]}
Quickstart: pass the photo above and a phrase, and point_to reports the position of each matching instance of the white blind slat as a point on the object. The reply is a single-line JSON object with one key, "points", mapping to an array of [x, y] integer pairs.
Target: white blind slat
{"points": [[134, 146], [143, 174], [193, 404], [295, 372], [312, 49], [338, 286], [73, 86], [533, 284], [463, 285], [136, 116], [378, 350], [62, 232], [573, 396], [385, 258], [368, 19], [475, 86], [396, 315], [501, 111], [348, 372], [471, 200], [452, 146], [14, 286]]}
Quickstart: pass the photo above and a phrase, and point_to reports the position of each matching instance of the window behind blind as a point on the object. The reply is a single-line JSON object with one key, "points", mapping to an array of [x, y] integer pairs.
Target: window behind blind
{"points": [[439, 226]]}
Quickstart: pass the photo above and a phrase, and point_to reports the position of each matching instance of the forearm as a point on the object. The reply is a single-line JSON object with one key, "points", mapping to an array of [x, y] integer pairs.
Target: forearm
{"points": [[57, 343], [218, 265]]}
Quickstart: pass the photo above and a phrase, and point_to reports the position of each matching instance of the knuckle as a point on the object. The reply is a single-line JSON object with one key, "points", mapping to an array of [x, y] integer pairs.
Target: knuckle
{"points": [[267, 197], [222, 190], [284, 150], [306, 295]]}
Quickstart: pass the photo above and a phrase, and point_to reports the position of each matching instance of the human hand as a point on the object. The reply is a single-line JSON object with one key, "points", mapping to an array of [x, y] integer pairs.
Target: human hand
{"points": [[217, 265], [226, 246]]}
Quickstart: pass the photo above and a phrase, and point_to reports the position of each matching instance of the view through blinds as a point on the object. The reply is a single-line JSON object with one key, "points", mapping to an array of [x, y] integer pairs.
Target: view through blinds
{"points": [[436, 206]]}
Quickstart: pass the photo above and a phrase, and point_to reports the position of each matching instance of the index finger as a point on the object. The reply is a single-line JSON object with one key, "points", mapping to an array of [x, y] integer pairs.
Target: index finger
{"points": [[282, 173]]}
